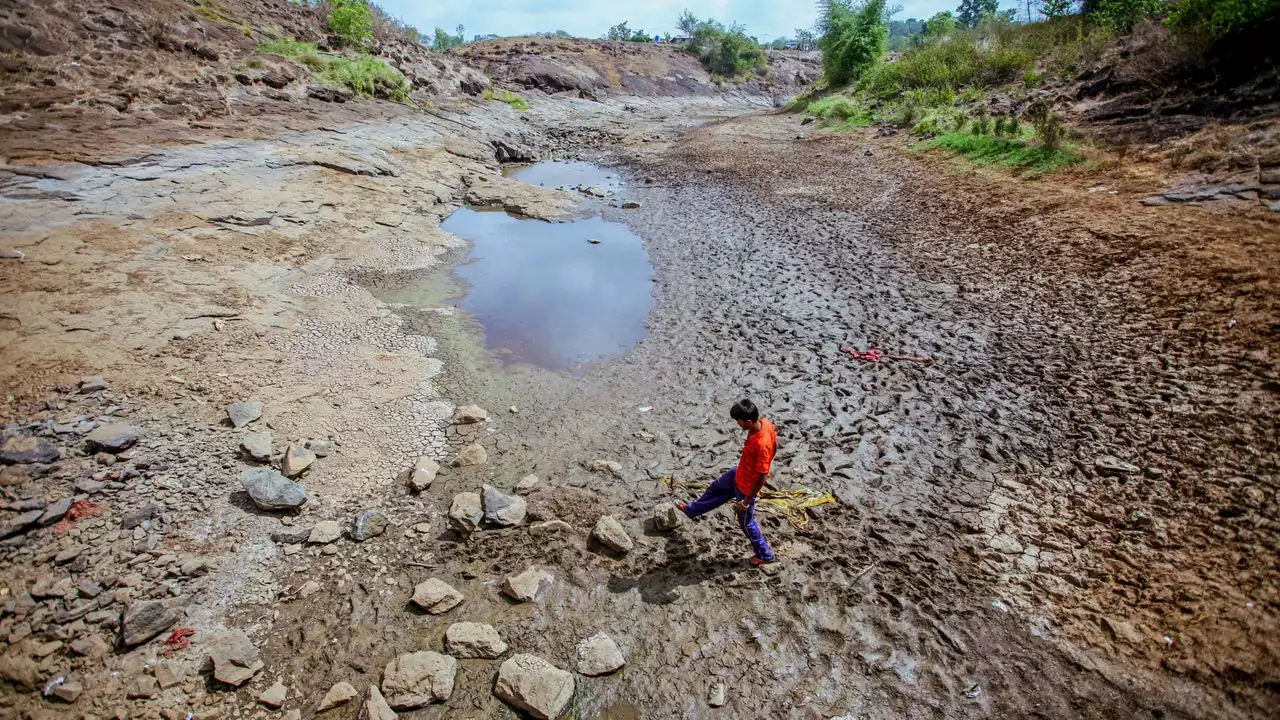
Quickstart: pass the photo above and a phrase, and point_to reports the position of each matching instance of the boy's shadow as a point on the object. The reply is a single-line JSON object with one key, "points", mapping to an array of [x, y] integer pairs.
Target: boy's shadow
{"points": [[659, 586]]}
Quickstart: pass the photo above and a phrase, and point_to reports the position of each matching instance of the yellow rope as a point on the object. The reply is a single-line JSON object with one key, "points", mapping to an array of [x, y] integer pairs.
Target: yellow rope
{"points": [[791, 503]]}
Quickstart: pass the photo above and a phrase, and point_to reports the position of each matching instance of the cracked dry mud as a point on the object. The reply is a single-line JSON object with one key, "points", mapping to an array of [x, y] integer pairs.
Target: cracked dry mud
{"points": [[990, 555]]}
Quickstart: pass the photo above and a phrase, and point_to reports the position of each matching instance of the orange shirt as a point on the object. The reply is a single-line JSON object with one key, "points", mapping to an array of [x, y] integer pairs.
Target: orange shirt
{"points": [[757, 456]]}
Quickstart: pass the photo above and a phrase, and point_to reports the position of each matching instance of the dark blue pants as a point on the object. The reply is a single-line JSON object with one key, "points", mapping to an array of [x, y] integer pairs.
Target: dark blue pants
{"points": [[723, 490]]}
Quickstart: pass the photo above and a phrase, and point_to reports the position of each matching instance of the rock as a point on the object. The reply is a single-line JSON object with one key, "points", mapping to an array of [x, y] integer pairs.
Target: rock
{"points": [[92, 384], [599, 655], [630, 205], [466, 512], [291, 536], [320, 447], [194, 567], [376, 707], [69, 690], [145, 619], [257, 446], [340, 694], [241, 414], [606, 466], [54, 512], [274, 696], [502, 509], [527, 483], [309, 588], [113, 437], [436, 596], [20, 523], [1108, 465], [325, 532], [296, 461], [23, 450], [270, 490], [169, 673], [535, 686], [473, 454], [235, 659], [550, 527], [368, 524], [143, 688], [423, 474], [608, 532], [1155, 201], [469, 414], [329, 93], [20, 671], [1006, 544], [528, 585], [473, 640], [666, 516], [718, 695], [417, 679], [1121, 630], [138, 516]]}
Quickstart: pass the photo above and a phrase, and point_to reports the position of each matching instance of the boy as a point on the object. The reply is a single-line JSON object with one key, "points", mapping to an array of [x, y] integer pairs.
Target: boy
{"points": [[743, 483]]}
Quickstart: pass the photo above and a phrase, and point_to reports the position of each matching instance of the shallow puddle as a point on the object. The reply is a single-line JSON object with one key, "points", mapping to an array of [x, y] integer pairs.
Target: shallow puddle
{"points": [[547, 296], [566, 174]]}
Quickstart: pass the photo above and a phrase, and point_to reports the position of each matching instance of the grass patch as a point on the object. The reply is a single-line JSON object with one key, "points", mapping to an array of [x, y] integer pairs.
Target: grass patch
{"points": [[987, 151], [508, 97], [366, 75]]}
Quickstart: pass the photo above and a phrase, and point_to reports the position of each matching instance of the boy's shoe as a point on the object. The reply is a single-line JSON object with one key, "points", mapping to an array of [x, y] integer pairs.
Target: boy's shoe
{"points": [[758, 562], [680, 507]]}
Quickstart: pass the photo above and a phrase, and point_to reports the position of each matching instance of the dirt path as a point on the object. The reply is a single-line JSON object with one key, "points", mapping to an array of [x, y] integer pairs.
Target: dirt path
{"points": [[981, 536]]}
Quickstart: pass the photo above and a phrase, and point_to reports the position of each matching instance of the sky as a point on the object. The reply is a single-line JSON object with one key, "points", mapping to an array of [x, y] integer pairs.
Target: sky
{"points": [[764, 19]]}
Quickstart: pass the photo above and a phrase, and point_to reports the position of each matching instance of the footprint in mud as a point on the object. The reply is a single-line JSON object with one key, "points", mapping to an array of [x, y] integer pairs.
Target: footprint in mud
{"points": [[660, 585]]}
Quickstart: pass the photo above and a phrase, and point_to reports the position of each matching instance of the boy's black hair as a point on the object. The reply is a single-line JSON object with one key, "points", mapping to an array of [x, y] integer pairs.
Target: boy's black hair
{"points": [[745, 410]]}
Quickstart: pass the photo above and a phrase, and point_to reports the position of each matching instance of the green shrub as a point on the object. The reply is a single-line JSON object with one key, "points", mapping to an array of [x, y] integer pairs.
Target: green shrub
{"points": [[961, 120], [352, 22], [728, 52], [514, 100], [1046, 125], [852, 38], [1122, 15], [982, 124], [1031, 78], [1219, 18], [908, 115], [990, 152], [927, 126], [367, 76]]}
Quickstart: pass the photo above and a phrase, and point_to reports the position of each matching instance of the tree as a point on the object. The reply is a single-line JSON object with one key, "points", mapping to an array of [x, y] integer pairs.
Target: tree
{"points": [[805, 39], [619, 32], [462, 31], [688, 23], [1056, 8], [940, 25], [971, 12], [351, 21], [852, 38], [444, 41]]}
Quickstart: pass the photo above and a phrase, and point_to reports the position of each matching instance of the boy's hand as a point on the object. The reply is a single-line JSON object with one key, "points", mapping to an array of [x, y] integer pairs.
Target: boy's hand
{"points": [[742, 505]]}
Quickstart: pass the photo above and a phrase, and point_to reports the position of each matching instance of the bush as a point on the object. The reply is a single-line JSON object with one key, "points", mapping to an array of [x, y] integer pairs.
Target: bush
{"points": [[982, 125], [1046, 125], [508, 97], [1218, 18], [300, 52], [1031, 78], [908, 115], [853, 38], [728, 52], [367, 76], [352, 22]]}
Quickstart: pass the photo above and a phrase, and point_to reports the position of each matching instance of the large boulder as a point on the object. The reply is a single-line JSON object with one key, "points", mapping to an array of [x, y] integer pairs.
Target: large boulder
{"points": [[535, 686], [473, 640], [423, 474], [470, 414], [270, 490], [417, 679], [113, 437], [599, 655], [471, 455], [235, 659], [241, 414], [22, 450], [436, 596], [502, 509], [376, 707], [296, 461], [609, 532], [666, 516], [145, 619], [466, 512], [368, 524], [528, 585]]}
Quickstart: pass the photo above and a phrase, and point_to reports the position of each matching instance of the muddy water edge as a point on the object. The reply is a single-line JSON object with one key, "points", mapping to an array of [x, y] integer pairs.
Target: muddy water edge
{"points": [[875, 610]]}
